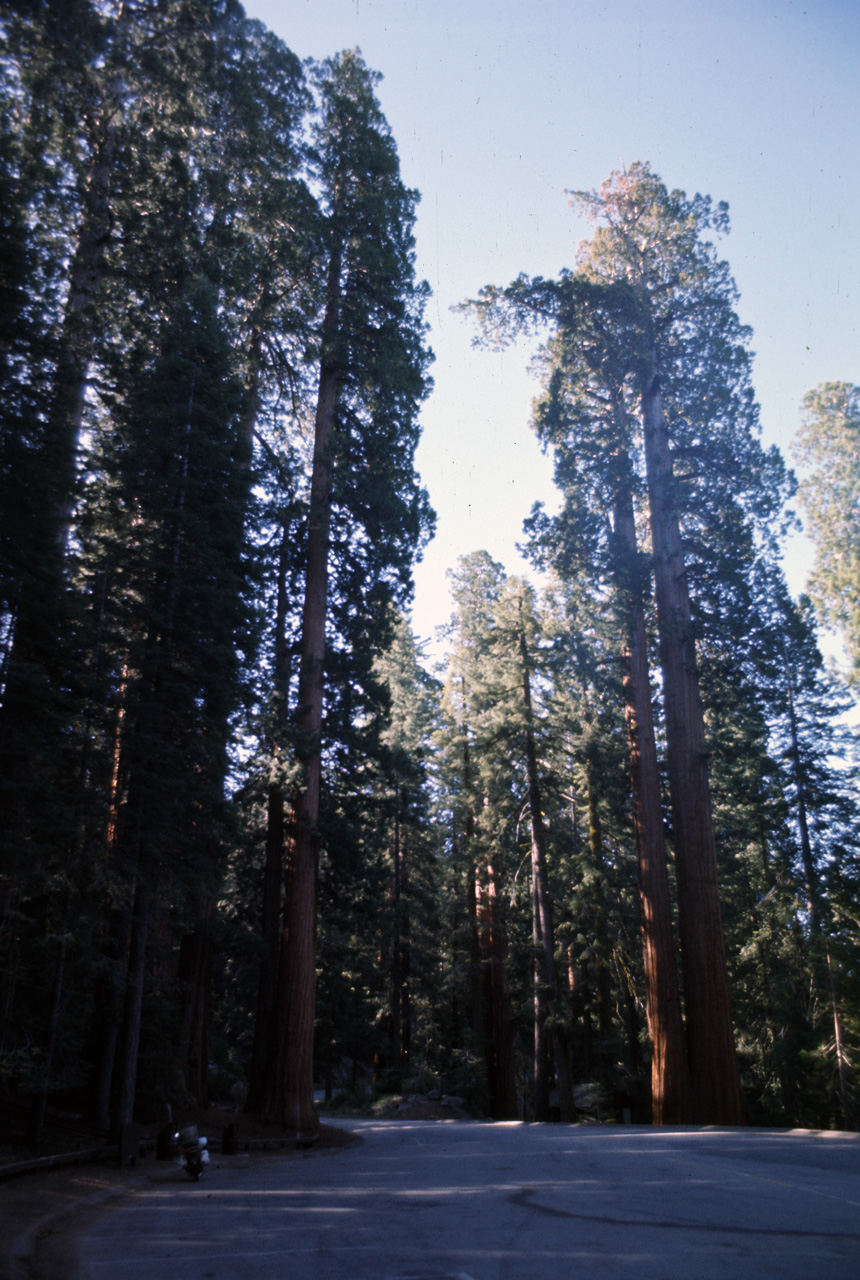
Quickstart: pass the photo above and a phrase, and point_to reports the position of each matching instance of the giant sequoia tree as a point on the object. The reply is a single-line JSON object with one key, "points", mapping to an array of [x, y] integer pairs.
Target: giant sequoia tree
{"points": [[649, 374], [586, 415], [367, 515], [683, 297], [212, 358]]}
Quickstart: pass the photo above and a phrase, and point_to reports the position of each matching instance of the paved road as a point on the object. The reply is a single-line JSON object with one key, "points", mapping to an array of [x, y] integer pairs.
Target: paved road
{"points": [[432, 1200]]}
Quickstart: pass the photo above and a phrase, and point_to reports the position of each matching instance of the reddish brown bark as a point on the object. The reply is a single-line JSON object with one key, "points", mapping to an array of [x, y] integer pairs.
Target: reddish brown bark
{"points": [[669, 1081], [595, 848], [540, 1094], [499, 1033], [395, 1007], [806, 858], [274, 864], [715, 1094], [288, 1095], [194, 974], [271, 935], [542, 912], [129, 1039], [476, 989], [405, 954]]}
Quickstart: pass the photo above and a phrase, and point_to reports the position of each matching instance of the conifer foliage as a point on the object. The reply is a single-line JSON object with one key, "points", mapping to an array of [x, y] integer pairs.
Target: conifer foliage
{"points": [[829, 442], [366, 513], [175, 301], [649, 410], [240, 821]]}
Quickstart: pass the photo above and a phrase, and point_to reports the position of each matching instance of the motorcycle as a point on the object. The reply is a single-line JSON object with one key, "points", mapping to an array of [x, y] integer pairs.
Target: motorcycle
{"points": [[194, 1155]]}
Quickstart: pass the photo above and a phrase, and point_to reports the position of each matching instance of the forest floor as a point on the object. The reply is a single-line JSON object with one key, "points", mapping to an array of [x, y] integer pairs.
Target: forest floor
{"points": [[37, 1209], [402, 1107]]}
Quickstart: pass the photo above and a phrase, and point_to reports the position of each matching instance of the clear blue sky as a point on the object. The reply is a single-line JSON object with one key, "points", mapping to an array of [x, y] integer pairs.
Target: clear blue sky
{"points": [[498, 108]]}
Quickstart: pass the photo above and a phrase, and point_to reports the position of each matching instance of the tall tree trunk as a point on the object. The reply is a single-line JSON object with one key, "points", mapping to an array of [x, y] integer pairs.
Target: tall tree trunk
{"points": [[79, 325], [807, 860], [405, 1044], [840, 1048], [634, 1053], [540, 890], [540, 1099], [289, 1092], [194, 974], [501, 1076], [40, 1102], [806, 857], [396, 999], [36, 641], [714, 1081], [595, 847], [584, 1002], [669, 1078], [132, 1012], [274, 864], [476, 988], [117, 950]]}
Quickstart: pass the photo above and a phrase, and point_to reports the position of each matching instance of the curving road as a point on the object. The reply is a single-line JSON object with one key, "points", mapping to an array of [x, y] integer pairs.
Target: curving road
{"points": [[433, 1200]]}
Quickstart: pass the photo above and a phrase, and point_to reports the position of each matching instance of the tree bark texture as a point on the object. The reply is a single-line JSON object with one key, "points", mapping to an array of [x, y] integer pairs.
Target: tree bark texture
{"points": [[595, 846], [132, 1011], [273, 871], [669, 1077], [540, 889], [395, 1006], [476, 990], [806, 858], [714, 1081], [405, 950], [271, 934], [194, 973], [499, 1036], [288, 1097], [540, 1096]]}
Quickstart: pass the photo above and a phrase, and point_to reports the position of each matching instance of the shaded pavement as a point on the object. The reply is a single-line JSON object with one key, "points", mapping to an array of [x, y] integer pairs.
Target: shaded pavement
{"points": [[425, 1200]]}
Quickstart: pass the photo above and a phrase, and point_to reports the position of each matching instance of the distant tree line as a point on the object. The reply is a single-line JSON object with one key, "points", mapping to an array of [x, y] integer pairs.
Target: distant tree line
{"points": [[613, 843]]}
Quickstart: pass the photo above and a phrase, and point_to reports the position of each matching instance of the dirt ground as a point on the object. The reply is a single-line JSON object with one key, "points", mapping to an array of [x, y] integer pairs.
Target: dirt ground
{"points": [[40, 1212]]}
